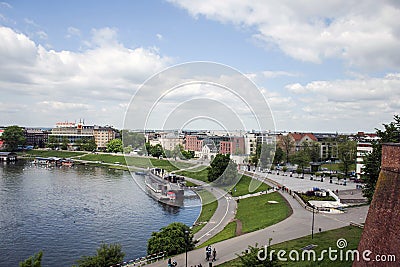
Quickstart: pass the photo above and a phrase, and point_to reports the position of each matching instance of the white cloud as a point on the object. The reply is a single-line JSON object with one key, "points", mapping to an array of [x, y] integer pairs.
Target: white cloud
{"points": [[102, 76], [72, 31], [41, 35], [5, 4], [364, 34], [159, 36], [378, 89]]}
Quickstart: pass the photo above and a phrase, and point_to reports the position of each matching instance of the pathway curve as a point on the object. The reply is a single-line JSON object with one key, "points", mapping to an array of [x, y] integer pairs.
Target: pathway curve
{"points": [[224, 214], [295, 226]]}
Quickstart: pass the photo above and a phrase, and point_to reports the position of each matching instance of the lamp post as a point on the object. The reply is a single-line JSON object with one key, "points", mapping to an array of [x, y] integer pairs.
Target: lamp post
{"points": [[186, 244], [312, 226]]}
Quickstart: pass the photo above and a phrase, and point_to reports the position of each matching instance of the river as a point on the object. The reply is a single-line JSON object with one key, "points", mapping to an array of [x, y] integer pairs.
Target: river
{"points": [[68, 211]]}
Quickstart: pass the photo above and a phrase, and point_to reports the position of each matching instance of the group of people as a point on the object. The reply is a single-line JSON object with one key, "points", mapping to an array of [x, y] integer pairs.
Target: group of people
{"points": [[211, 253], [171, 263]]}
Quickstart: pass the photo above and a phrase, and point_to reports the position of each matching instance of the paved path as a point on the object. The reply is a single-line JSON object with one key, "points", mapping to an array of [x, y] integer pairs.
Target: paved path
{"points": [[297, 184], [297, 225], [224, 213]]}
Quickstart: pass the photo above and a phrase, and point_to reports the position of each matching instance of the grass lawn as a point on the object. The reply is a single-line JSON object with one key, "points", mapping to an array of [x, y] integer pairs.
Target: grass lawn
{"points": [[256, 213], [209, 205], [242, 187], [228, 232], [199, 173], [323, 241], [53, 153], [307, 198], [140, 162]]}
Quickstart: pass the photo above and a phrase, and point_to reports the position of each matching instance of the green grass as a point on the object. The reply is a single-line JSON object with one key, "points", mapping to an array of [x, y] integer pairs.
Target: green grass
{"points": [[323, 241], [307, 198], [209, 205], [53, 153], [140, 162], [199, 173], [228, 232], [242, 187], [106, 158], [256, 213]]}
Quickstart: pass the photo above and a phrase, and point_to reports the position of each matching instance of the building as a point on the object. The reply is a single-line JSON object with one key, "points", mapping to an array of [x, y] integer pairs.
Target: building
{"points": [[364, 146], [71, 131], [170, 140], [194, 142], [36, 137], [76, 132], [328, 145], [103, 135], [232, 145], [300, 138]]}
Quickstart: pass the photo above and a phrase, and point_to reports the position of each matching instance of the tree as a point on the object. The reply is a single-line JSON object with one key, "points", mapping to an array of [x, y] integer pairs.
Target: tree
{"points": [[64, 143], [217, 167], [287, 145], [301, 158], [107, 255], [13, 136], [173, 239], [266, 155], [279, 155], [314, 151], [89, 144], [253, 258], [134, 139], [52, 142], [157, 151], [115, 146], [33, 261], [372, 161], [347, 154]]}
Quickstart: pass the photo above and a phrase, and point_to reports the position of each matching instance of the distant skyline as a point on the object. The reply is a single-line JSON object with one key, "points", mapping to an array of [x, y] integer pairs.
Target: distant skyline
{"points": [[322, 66]]}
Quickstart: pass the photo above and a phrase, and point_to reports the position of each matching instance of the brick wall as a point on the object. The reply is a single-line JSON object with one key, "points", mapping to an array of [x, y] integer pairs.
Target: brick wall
{"points": [[381, 233]]}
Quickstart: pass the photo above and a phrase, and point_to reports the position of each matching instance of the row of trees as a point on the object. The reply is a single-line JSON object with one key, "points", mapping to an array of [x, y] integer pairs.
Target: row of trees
{"points": [[178, 152], [308, 152]]}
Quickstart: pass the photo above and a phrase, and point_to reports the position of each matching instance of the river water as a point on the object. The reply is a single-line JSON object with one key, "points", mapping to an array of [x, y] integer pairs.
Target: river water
{"points": [[68, 211]]}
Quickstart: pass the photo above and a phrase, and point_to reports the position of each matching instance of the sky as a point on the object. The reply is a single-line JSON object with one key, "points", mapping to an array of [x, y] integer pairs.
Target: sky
{"points": [[319, 66]]}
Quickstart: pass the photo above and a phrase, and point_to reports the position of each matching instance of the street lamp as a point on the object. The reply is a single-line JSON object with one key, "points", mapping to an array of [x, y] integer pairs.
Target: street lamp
{"points": [[312, 226], [186, 244]]}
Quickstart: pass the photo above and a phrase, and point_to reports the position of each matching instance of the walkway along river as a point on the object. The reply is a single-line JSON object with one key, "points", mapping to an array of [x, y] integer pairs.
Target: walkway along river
{"points": [[68, 211]]}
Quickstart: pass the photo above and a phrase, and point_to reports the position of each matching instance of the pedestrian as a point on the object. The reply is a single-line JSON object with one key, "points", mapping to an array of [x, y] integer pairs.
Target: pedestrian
{"points": [[174, 263], [207, 254], [169, 262], [214, 253], [200, 265]]}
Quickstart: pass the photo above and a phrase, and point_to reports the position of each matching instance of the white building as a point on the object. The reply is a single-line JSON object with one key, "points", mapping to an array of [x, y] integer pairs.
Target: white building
{"points": [[363, 148], [170, 140]]}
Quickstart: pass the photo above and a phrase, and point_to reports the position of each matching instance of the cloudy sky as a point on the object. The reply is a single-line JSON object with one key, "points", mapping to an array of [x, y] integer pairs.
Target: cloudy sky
{"points": [[321, 65]]}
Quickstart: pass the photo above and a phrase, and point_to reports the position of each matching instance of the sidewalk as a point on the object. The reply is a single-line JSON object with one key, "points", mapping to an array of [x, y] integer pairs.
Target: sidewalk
{"points": [[295, 226]]}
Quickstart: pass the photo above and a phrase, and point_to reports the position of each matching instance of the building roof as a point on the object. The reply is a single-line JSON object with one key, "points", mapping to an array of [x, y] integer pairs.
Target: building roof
{"points": [[299, 136]]}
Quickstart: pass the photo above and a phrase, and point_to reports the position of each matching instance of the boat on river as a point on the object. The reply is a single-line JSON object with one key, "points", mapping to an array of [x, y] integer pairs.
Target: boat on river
{"points": [[165, 187]]}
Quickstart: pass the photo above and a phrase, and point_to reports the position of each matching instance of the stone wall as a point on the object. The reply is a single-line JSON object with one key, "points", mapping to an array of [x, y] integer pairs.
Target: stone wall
{"points": [[381, 233]]}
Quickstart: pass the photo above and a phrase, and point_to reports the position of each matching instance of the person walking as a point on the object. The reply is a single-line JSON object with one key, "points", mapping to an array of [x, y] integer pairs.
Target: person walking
{"points": [[208, 253], [214, 254]]}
